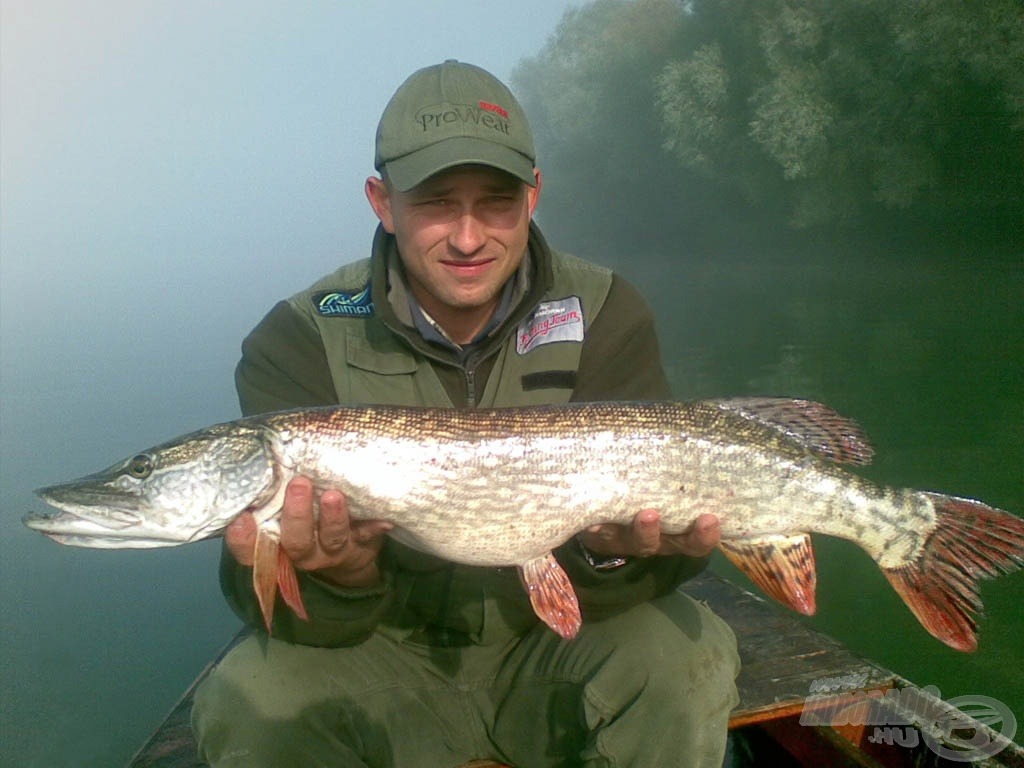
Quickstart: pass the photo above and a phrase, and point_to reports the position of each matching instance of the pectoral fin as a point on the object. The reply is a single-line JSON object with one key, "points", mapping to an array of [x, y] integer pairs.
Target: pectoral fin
{"points": [[273, 571], [288, 585], [265, 564], [552, 595], [782, 566]]}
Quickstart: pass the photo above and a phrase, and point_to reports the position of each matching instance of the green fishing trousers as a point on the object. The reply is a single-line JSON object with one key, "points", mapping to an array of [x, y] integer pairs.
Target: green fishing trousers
{"points": [[652, 686]]}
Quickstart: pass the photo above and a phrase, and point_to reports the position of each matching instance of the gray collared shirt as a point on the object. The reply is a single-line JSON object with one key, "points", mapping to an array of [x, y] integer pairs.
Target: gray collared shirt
{"points": [[409, 311]]}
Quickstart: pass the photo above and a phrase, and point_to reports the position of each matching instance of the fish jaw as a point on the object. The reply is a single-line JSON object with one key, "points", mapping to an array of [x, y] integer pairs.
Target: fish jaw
{"points": [[178, 492], [105, 522]]}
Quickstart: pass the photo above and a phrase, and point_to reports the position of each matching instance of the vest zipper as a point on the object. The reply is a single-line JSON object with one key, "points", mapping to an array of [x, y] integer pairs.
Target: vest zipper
{"points": [[470, 386]]}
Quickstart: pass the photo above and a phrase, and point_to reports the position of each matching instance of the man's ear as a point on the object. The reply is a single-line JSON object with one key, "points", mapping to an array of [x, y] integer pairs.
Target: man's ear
{"points": [[533, 193], [379, 195]]}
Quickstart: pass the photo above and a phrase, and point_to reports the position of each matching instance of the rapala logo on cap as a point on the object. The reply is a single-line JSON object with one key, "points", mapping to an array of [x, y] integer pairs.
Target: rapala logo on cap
{"points": [[338, 304], [444, 115], [552, 321]]}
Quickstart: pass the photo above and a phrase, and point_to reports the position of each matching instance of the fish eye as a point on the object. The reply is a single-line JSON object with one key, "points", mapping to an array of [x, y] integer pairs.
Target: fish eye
{"points": [[140, 467]]}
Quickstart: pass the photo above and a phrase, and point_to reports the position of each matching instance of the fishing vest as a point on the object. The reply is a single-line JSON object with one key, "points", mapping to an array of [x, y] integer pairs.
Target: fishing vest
{"points": [[371, 363]]}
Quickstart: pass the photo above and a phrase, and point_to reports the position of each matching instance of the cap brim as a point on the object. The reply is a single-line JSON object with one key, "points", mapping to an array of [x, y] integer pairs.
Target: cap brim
{"points": [[412, 169]]}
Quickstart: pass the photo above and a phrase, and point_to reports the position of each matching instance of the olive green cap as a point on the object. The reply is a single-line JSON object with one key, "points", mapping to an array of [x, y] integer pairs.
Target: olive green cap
{"points": [[452, 114]]}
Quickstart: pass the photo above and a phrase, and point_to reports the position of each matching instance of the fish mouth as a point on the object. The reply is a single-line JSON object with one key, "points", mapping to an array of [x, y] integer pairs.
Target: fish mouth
{"points": [[91, 517], [105, 507]]}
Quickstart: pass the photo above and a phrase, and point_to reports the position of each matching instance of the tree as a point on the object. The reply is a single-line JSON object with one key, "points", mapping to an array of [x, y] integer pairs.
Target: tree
{"points": [[854, 103], [816, 111]]}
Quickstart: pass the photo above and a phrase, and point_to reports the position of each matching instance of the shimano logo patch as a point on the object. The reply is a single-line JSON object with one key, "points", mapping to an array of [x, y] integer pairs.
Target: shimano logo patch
{"points": [[338, 304], [552, 321]]}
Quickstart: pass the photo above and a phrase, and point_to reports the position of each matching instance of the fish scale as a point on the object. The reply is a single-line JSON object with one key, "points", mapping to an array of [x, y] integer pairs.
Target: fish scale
{"points": [[500, 487], [506, 472]]}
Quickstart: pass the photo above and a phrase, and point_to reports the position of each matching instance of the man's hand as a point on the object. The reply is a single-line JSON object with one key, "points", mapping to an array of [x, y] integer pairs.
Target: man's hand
{"points": [[338, 548], [644, 537]]}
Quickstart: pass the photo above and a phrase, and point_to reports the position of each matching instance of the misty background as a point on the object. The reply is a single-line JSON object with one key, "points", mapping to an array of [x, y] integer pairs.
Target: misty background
{"points": [[819, 200]]}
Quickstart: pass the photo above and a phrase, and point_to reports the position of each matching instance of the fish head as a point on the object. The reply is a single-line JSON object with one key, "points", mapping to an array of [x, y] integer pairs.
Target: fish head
{"points": [[183, 490]]}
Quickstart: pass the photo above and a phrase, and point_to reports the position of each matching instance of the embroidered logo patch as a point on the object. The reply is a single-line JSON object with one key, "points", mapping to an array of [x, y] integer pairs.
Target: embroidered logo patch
{"points": [[552, 321], [338, 304]]}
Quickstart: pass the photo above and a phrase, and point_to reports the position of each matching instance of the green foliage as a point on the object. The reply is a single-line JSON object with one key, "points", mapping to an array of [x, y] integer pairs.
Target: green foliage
{"points": [[823, 111], [693, 97], [590, 95]]}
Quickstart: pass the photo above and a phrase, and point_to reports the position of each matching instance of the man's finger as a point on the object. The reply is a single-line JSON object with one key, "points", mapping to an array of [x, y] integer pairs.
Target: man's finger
{"points": [[365, 531], [240, 538], [297, 538], [707, 532], [647, 532], [699, 539], [333, 525]]}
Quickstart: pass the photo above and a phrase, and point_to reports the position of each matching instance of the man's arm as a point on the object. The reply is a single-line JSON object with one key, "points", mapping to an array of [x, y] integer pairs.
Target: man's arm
{"points": [[283, 366]]}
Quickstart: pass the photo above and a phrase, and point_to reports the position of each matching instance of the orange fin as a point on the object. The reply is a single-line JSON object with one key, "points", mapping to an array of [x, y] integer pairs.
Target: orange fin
{"points": [[971, 541], [782, 566], [288, 585], [817, 427], [552, 595], [265, 568]]}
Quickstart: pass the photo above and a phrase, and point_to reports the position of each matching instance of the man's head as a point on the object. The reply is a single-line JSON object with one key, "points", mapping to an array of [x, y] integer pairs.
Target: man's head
{"points": [[452, 114], [458, 191]]}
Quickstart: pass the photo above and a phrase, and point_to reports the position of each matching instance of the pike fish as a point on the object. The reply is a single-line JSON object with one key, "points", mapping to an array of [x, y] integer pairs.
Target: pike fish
{"points": [[504, 487]]}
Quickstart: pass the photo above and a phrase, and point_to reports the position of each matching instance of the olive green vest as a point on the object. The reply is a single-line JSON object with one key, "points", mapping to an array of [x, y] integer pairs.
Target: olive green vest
{"points": [[371, 363]]}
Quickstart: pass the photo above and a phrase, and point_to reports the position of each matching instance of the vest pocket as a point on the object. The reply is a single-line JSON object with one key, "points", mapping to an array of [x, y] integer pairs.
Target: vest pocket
{"points": [[360, 354], [379, 369]]}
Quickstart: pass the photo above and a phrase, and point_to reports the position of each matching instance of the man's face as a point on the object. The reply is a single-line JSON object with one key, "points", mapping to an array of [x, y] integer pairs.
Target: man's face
{"points": [[461, 234]]}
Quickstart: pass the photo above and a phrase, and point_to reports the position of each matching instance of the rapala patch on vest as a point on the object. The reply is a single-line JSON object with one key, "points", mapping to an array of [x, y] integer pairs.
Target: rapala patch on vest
{"points": [[552, 321], [338, 304]]}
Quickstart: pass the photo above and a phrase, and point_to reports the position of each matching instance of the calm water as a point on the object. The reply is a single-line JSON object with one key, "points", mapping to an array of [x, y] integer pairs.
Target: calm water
{"points": [[926, 352]]}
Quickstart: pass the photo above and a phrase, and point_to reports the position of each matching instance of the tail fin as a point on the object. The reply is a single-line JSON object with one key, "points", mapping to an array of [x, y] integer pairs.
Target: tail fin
{"points": [[971, 541]]}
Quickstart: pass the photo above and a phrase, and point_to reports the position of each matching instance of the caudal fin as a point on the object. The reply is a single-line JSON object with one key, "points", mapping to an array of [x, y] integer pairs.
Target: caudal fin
{"points": [[972, 541]]}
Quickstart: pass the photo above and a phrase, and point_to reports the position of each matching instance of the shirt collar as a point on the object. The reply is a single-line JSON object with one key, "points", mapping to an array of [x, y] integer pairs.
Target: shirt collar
{"points": [[411, 314]]}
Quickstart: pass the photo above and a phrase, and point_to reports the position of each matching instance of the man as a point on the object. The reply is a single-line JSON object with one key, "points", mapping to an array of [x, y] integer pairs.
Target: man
{"points": [[407, 660]]}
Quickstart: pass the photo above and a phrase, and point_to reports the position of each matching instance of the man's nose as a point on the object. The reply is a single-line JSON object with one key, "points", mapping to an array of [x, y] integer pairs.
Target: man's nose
{"points": [[467, 234]]}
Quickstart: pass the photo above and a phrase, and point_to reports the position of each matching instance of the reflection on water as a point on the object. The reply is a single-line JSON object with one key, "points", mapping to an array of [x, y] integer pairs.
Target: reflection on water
{"points": [[928, 355]]}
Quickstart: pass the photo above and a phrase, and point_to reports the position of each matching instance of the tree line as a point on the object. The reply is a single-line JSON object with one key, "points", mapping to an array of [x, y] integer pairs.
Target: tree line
{"points": [[691, 116]]}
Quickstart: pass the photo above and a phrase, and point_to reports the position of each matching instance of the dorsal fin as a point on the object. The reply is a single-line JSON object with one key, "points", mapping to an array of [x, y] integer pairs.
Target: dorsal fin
{"points": [[817, 427]]}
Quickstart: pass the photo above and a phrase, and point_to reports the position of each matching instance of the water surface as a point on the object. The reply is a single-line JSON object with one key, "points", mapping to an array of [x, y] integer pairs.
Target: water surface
{"points": [[924, 349]]}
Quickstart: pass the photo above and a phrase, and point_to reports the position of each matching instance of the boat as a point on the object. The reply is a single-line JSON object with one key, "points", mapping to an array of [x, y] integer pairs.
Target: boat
{"points": [[805, 700]]}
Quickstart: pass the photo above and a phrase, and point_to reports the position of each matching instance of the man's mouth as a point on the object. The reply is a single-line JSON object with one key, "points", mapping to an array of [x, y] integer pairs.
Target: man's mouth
{"points": [[468, 267]]}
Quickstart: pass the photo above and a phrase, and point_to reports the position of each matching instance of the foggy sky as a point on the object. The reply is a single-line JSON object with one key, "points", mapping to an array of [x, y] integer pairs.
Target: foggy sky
{"points": [[168, 170]]}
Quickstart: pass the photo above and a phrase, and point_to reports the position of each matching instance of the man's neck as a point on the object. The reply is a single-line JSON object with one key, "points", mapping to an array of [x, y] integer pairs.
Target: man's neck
{"points": [[460, 326]]}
